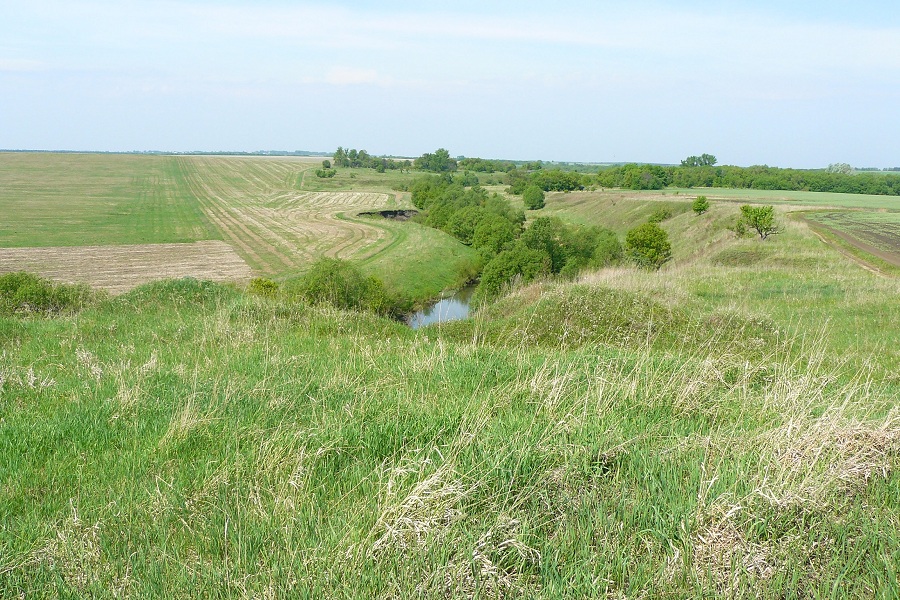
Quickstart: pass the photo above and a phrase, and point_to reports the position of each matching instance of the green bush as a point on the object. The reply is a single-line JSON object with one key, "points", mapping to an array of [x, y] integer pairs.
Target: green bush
{"points": [[648, 245], [700, 205], [340, 284], [260, 286], [26, 293], [660, 215], [520, 264], [761, 219], [533, 196]]}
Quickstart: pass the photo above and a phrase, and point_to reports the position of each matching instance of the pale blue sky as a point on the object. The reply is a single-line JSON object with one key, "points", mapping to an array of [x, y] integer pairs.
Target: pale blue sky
{"points": [[752, 82]]}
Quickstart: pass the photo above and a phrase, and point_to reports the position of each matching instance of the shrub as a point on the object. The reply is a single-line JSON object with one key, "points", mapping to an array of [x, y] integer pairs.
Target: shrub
{"points": [[648, 245], [521, 263], [26, 293], [340, 284], [533, 197], [260, 286], [761, 219], [326, 173], [660, 215], [700, 205], [608, 250]]}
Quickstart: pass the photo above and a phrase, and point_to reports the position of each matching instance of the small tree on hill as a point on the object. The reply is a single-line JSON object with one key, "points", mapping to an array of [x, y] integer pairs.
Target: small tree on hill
{"points": [[648, 245], [533, 197], [761, 219], [700, 205]]}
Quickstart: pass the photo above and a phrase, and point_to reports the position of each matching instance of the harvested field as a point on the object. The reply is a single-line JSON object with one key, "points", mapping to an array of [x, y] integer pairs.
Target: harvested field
{"points": [[278, 228], [262, 207], [117, 269]]}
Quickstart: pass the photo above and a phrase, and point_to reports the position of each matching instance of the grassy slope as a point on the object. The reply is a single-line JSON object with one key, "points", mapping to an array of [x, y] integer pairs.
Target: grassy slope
{"points": [[793, 278], [727, 425], [95, 199]]}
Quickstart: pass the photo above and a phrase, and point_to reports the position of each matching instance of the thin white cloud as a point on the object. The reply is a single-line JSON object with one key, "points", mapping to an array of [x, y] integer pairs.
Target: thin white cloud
{"points": [[16, 65], [351, 76]]}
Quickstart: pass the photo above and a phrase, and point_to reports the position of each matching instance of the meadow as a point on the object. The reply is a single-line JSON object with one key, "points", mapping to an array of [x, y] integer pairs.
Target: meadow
{"points": [[725, 427]]}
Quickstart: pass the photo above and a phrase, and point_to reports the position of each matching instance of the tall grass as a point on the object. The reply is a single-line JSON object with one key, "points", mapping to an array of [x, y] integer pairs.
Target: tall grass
{"points": [[187, 440]]}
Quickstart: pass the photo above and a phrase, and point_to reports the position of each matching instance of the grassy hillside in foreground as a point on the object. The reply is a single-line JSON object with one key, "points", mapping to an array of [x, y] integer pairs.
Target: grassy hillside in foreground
{"points": [[187, 440]]}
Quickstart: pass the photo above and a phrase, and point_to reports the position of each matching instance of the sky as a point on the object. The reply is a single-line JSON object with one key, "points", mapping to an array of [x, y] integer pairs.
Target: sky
{"points": [[794, 84]]}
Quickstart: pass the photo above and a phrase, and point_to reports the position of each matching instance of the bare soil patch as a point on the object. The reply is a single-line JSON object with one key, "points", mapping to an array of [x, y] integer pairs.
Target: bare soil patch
{"points": [[118, 269]]}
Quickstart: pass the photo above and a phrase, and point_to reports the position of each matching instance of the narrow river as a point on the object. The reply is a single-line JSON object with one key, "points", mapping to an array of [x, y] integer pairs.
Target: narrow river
{"points": [[451, 308]]}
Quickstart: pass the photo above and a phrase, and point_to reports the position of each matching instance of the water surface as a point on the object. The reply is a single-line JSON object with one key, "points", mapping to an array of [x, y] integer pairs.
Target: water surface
{"points": [[451, 308]]}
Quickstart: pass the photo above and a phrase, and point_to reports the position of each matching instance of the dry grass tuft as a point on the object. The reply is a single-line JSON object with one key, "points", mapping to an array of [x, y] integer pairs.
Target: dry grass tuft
{"points": [[813, 460], [500, 565], [424, 513]]}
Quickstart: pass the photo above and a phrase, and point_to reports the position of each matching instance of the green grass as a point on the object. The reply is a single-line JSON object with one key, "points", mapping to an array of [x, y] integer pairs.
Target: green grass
{"points": [[96, 199], [185, 440], [725, 427], [420, 261]]}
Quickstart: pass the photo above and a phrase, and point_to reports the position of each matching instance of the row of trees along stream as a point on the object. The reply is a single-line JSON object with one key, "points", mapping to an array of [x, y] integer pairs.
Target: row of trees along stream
{"points": [[507, 250]]}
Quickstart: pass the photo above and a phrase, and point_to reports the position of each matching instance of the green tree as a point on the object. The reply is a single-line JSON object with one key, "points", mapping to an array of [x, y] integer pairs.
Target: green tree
{"points": [[438, 162], [704, 160], [493, 234], [700, 205], [533, 197], [547, 234], [326, 164], [648, 245], [761, 219], [520, 263]]}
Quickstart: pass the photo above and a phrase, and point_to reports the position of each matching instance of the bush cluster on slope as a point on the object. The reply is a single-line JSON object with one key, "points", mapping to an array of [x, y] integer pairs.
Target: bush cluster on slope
{"points": [[27, 293]]}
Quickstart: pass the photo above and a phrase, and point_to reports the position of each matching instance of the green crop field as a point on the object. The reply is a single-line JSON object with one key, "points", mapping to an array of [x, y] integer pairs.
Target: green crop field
{"points": [[96, 199], [727, 426]]}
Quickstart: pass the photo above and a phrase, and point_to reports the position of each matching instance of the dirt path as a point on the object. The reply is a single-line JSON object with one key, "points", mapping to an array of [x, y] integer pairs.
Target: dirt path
{"points": [[851, 241]]}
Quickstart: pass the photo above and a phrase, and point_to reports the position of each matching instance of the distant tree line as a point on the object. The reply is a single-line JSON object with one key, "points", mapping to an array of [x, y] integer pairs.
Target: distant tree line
{"points": [[655, 177], [554, 180], [353, 158], [483, 165]]}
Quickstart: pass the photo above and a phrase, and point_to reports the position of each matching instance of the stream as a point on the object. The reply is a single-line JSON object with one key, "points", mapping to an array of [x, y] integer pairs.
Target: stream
{"points": [[451, 308]]}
